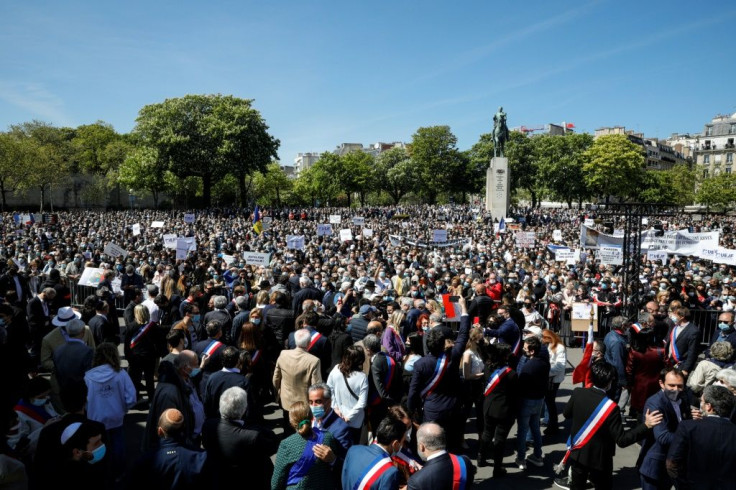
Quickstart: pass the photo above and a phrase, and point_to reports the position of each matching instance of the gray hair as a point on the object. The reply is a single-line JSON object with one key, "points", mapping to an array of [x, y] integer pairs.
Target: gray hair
{"points": [[75, 327], [721, 351], [326, 391], [233, 403], [304, 281], [431, 436], [435, 317], [152, 290], [727, 376], [219, 302], [617, 322], [301, 338], [242, 303], [372, 343], [406, 302]]}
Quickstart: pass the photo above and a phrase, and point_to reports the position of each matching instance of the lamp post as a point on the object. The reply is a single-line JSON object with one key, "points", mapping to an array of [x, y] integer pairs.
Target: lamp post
{"points": [[131, 196]]}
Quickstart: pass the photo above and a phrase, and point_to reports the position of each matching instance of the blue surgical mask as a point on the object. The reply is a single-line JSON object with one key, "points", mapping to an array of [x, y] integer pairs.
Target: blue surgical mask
{"points": [[724, 326], [553, 288], [196, 318], [194, 372], [318, 411], [604, 286], [39, 402], [98, 454], [256, 321]]}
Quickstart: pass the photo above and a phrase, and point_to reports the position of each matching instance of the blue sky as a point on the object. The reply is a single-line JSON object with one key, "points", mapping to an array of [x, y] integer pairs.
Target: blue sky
{"points": [[323, 72]]}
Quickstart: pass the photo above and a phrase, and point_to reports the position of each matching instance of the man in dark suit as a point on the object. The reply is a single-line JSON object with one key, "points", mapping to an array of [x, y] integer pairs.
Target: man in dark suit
{"points": [[726, 331], [594, 460], [481, 306], [280, 319], [320, 402], [128, 313], [230, 375], [38, 311], [306, 291], [509, 333], [14, 286], [683, 354], [220, 314], [363, 461], [211, 348], [236, 448], [102, 329], [442, 470], [435, 382], [702, 453], [674, 406], [385, 386]]}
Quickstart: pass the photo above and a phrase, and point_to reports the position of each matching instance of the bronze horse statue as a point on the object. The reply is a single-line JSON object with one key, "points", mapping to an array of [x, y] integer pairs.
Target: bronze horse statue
{"points": [[500, 133]]}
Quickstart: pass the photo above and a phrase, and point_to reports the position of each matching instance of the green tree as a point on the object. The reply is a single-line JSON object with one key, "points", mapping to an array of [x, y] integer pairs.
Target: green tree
{"points": [[717, 192], [560, 165], [523, 166], [90, 143], [208, 136], [438, 161], [479, 159], [272, 185], [313, 184], [395, 172], [143, 170], [612, 165], [358, 174], [16, 161]]}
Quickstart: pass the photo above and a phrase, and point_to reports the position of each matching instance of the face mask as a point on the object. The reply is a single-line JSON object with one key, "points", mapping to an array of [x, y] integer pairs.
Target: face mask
{"points": [[724, 326], [318, 411], [98, 454], [39, 402], [673, 395], [604, 286], [256, 321], [674, 319], [663, 287], [196, 318], [425, 328], [194, 372], [553, 288]]}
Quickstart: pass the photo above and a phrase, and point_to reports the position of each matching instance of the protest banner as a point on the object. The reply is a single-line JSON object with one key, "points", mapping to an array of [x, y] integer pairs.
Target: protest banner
{"points": [[257, 258], [367, 233], [611, 255], [324, 230], [525, 239], [564, 254], [346, 235], [679, 242], [91, 276], [295, 242], [157, 224], [115, 251], [335, 219], [557, 235], [358, 221], [719, 255], [655, 255], [590, 238], [136, 229], [189, 218], [439, 236], [170, 241]]}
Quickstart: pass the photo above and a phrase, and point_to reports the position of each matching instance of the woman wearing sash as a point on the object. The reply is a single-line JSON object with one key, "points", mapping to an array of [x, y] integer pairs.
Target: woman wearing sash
{"points": [[141, 351], [251, 341], [304, 459], [500, 405]]}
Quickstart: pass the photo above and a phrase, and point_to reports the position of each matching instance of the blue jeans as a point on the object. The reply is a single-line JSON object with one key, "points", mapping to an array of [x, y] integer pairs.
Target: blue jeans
{"points": [[527, 421]]}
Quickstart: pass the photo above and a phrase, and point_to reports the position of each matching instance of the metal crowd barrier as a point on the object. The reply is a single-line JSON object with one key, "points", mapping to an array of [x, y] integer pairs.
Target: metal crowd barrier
{"points": [[80, 293]]}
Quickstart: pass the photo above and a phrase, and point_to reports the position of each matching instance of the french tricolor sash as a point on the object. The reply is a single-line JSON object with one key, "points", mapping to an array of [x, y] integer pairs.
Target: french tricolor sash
{"points": [[674, 353], [459, 472], [517, 346], [255, 357], [376, 468], [636, 327], [143, 331], [387, 379], [407, 461], [496, 378], [212, 348], [39, 414], [590, 427], [313, 340], [439, 372]]}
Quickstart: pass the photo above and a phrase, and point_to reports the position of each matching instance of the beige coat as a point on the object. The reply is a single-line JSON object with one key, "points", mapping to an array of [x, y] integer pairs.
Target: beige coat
{"points": [[296, 370]]}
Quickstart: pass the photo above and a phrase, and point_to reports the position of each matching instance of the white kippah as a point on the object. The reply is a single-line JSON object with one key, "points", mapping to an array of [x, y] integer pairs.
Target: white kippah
{"points": [[69, 432]]}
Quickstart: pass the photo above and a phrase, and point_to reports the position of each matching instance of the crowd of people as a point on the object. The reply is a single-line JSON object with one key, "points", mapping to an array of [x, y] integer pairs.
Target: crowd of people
{"points": [[378, 347]]}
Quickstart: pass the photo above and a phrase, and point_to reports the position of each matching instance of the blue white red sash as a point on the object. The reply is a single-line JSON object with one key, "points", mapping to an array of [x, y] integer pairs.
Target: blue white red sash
{"points": [[590, 427], [636, 327], [375, 470], [459, 472], [517, 346], [495, 380], [313, 340], [143, 331], [674, 353], [255, 357], [407, 461], [212, 348], [439, 372], [387, 379]]}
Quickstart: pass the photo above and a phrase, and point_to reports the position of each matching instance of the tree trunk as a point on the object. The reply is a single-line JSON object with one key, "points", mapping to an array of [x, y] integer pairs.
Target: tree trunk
{"points": [[155, 199], [206, 190], [534, 198], [349, 193], [43, 197], [241, 185], [278, 197], [3, 191]]}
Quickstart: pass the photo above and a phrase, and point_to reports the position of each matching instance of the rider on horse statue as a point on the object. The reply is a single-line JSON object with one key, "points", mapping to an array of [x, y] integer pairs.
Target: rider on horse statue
{"points": [[500, 132]]}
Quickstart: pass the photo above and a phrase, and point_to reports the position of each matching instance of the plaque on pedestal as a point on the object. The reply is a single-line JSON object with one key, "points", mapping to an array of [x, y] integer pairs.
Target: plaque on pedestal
{"points": [[497, 188]]}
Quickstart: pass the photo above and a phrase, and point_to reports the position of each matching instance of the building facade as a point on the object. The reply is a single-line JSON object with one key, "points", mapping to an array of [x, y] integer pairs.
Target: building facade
{"points": [[659, 154], [714, 149]]}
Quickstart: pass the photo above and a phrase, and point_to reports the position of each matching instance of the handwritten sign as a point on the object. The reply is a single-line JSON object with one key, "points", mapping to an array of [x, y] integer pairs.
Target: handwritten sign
{"points": [[115, 251], [335, 219], [189, 218], [256, 258], [324, 230]]}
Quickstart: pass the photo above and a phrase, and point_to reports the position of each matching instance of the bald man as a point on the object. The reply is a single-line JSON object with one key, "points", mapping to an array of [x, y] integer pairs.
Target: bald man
{"points": [[441, 470], [172, 464]]}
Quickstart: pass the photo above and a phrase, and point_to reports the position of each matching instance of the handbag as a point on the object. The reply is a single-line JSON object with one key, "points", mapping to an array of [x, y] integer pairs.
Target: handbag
{"points": [[348, 387]]}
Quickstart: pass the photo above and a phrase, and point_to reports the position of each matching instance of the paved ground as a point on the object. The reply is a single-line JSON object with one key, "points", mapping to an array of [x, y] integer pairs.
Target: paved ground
{"points": [[625, 474]]}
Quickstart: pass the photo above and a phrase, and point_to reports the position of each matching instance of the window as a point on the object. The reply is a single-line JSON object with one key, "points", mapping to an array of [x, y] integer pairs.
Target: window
{"points": [[706, 158], [709, 130], [728, 170], [729, 157], [733, 128], [705, 173]]}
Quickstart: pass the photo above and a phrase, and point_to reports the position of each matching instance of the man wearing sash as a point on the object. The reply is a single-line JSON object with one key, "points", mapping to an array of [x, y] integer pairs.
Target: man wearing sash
{"points": [[385, 386], [370, 467], [211, 349], [508, 333], [597, 429], [435, 383], [442, 470], [683, 341]]}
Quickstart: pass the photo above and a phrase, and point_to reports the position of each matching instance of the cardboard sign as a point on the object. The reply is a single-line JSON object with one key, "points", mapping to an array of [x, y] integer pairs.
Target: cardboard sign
{"points": [[189, 218], [346, 235], [91, 276], [157, 224], [525, 239], [611, 255], [335, 219], [564, 254], [358, 221], [557, 235], [589, 222], [136, 229], [170, 241], [182, 248], [229, 259], [367, 232], [324, 230], [657, 255], [295, 242], [439, 236], [719, 255], [257, 258], [115, 251]]}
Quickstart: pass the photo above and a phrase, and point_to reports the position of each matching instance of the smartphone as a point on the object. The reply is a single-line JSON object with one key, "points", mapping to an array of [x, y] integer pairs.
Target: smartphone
{"points": [[454, 299]]}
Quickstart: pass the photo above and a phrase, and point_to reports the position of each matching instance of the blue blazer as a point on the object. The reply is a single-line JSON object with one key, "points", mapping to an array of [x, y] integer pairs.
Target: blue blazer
{"points": [[340, 430], [657, 442], [356, 464], [437, 473]]}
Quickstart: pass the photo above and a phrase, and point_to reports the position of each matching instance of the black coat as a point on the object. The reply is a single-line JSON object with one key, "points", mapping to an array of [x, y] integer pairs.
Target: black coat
{"points": [[437, 474]]}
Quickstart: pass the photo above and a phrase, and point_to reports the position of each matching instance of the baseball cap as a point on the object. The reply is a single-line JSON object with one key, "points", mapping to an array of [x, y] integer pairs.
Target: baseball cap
{"points": [[533, 329], [367, 308]]}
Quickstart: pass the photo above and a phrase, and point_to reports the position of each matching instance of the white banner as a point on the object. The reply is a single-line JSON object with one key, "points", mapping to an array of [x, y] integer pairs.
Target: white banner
{"points": [[657, 255], [324, 230], [183, 246], [295, 242], [157, 224], [525, 239], [557, 235], [256, 258], [91, 276], [439, 236], [346, 235], [618, 233], [590, 238], [589, 222], [115, 251], [170, 241], [335, 219], [359, 221], [367, 232], [564, 254], [136, 229], [229, 259], [720, 255], [611, 255], [679, 242], [189, 218]]}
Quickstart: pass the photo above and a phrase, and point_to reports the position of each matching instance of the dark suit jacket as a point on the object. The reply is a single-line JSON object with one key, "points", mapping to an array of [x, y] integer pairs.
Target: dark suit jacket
{"points": [[436, 474], [654, 448], [480, 306], [377, 384], [238, 450], [702, 454], [214, 387], [38, 320], [7, 283], [598, 452], [502, 403], [103, 330], [172, 465], [356, 463], [226, 322], [72, 360], [340, 430], [304, 294], [688, 342]]}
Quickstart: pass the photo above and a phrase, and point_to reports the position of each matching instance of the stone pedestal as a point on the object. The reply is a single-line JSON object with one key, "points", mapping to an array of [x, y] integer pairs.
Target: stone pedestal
{"points": [[497, 188]]}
